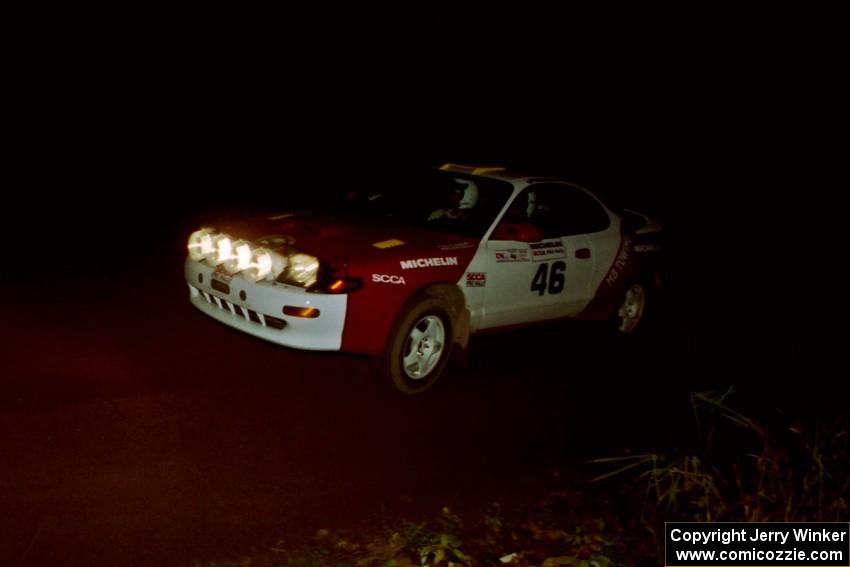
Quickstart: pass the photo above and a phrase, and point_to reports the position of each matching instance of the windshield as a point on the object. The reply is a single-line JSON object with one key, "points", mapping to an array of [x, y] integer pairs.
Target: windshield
{"points": [[443, 201]]}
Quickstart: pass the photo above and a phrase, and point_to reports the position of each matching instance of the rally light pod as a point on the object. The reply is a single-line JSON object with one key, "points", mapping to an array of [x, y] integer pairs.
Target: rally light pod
{"points": [[264, 264], [201, 244], [240, 257], [223, 250]]}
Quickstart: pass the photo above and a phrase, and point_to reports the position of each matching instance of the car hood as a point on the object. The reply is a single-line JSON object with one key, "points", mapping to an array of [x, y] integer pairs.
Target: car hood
{"points": [[345, 239]]}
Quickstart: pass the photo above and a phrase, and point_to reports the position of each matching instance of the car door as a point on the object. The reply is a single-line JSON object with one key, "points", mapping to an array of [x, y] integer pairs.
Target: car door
{"points": [[540, 259]]}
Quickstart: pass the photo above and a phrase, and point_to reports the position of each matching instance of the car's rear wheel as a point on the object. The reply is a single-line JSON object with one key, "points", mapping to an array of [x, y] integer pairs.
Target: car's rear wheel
{"points": [[631, 313], [419, 347]]}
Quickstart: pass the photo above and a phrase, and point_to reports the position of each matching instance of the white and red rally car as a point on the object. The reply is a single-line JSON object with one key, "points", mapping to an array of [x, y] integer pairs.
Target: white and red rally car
{"points": [[403, 273]]}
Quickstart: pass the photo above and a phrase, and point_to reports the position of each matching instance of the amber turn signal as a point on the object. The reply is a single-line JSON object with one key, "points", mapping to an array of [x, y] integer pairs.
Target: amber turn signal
{"points": [[306, 312]]}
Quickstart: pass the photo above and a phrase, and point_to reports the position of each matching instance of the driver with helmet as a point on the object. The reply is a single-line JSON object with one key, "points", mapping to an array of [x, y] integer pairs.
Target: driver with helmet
{"points": [[461, 201]]}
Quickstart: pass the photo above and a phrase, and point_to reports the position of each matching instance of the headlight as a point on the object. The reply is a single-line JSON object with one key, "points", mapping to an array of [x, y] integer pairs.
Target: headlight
{"points": [[200, 244], [303, 270]]}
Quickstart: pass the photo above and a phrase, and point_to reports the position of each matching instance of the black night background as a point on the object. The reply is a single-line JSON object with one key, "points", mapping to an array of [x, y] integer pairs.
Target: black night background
{"points": [[135, 431]]}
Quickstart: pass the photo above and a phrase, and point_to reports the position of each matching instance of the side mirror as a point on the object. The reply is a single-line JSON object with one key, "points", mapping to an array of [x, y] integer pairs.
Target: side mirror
{"points": [[520, 232]]}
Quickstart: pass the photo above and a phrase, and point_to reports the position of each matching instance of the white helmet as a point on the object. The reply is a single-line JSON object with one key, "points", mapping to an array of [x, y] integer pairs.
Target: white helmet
{"points": [[470, 194]]}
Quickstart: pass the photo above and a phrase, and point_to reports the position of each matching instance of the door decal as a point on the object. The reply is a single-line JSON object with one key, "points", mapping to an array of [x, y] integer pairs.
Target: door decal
{"points": [[553, 281]]}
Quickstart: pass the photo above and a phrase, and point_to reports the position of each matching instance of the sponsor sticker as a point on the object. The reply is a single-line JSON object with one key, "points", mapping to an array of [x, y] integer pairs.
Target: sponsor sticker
{"points": [[512, 255], [547, 250], [388, 278], [620, 262], [428, 262], [476, 279], [391, 243]]}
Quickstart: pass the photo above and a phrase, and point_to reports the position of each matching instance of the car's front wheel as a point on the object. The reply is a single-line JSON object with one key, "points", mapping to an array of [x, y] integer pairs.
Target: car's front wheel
{"points": [[419, 347]]}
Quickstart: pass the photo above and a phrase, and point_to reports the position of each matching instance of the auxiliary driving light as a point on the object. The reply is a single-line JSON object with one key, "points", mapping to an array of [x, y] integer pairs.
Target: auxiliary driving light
{"points": [[240, 258], [200, 244]]}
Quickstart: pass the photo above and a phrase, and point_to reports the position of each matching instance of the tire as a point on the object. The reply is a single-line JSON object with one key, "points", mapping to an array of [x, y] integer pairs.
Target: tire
{"points": [[419, 347], [630, 316]]}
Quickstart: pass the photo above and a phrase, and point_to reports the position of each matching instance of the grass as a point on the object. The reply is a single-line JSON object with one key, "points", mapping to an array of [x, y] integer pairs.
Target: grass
{"points": [[776, 466], [551, 529], [779, 468]]}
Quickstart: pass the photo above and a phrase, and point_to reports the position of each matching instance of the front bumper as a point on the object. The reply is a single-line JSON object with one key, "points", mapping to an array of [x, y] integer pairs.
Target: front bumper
{"points": [[260, 313]]}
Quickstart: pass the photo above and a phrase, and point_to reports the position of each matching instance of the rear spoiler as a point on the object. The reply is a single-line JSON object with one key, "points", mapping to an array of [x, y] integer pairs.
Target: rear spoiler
{"points": [[471, 169]]}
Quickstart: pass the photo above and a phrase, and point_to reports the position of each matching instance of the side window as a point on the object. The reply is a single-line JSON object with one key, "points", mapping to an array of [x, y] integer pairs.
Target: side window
{"points": [[563, 210], [522, 209]]}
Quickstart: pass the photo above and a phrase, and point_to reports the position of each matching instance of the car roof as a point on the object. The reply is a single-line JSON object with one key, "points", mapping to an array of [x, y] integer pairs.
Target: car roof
{"points": [[497, 172]]}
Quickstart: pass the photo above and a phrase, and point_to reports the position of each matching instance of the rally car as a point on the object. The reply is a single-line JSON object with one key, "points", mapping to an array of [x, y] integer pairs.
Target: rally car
{"points": [[408, 271]]}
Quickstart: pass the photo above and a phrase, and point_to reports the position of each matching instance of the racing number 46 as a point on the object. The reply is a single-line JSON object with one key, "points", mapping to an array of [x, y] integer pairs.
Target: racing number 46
{"points": [[555, 278]]}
